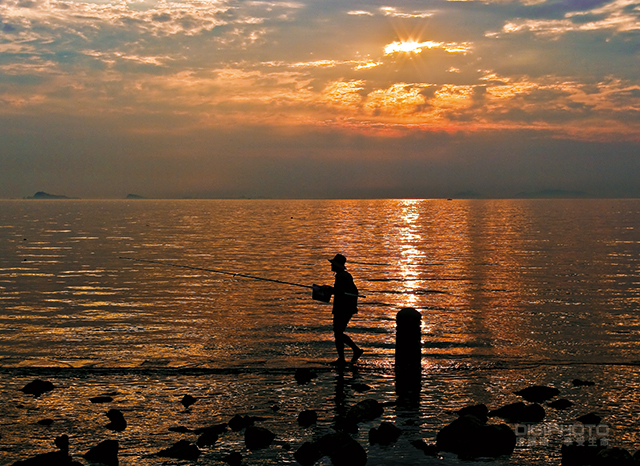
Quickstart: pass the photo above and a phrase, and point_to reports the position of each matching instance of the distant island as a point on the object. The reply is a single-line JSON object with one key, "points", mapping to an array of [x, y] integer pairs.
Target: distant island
{"points": [[134, 196], [43, 195]]}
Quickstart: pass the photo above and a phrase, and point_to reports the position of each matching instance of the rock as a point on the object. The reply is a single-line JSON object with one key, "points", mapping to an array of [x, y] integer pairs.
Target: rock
{"points": [[479, 411], [217, 428], [519, 412], [386, 434], [179, 429], [614, 456], [233, 459], [590, 419], [118, 422], [308, 453], [469, 438], [360, 387], [343, 450], [365, 410], [45, 422], [532, 413], [208, 438], [183, 450], [508, 412], [538, 393], [62, 443], [307, 418], [188, 400], [339, 447], [105, 452], [256, 438], [343, 424], [239, 422], [37, 387], [304, 375], [582, 383], [101, 399], [427, 448], [560, 404]]}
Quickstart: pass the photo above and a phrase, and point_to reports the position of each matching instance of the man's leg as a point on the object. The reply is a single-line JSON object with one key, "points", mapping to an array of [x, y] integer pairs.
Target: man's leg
{"points": [[339, 326]]}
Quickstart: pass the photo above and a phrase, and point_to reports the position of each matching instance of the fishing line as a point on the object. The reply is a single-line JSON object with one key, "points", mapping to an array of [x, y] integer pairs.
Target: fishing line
{"points": [[233, 274], [316, 289]]}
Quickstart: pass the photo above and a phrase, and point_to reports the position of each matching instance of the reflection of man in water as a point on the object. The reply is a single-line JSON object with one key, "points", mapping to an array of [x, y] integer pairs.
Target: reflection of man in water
{"points": [[345, 302]]}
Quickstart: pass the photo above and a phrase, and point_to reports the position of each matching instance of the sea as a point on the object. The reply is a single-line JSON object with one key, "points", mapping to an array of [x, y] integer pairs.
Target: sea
{"points": [[146, 301]]}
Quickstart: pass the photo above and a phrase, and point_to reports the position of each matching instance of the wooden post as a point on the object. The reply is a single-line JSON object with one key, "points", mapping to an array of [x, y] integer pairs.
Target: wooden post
{"points": [[408, 362]]}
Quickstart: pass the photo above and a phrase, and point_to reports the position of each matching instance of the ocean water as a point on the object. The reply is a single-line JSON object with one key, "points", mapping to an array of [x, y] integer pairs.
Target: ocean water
{"points": [[512, 293]]}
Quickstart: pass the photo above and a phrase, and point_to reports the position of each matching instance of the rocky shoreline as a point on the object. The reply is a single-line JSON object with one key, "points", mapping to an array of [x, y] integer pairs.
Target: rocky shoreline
{"points": [[477, 433]]}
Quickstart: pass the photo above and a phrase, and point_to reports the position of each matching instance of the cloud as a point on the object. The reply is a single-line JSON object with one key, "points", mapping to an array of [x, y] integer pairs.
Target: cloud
{"points": [[618, 15]]}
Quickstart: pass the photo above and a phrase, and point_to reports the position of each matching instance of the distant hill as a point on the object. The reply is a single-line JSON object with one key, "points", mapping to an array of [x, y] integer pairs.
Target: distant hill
{"points": [[43, 195], [552, 194], [135, 196]]}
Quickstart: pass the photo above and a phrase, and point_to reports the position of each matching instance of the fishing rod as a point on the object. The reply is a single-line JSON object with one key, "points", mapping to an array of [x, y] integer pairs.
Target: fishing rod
{"points": [[319, 293]]}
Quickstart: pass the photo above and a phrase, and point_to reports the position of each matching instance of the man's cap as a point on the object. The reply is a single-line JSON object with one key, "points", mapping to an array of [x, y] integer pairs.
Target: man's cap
{"points": [[339, 259]]}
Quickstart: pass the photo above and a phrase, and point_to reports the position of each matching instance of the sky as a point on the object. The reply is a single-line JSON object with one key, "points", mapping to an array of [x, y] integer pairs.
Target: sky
{"points": [[319, 98]]}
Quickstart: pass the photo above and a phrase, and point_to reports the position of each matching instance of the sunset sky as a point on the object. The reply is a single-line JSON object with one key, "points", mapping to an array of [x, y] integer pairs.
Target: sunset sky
{"points": [[319, 98]]}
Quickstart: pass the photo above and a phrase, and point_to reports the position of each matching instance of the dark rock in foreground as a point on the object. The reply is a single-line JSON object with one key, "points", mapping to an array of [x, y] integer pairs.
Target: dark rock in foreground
{"points": [[179, 429], [427, 448], [304, 375], [188, 400], [118, 422], [340, 447], [183, 450], [386, 434], [37, 387], [307, 418], [256, 438], [365, 410], [590, 419], [233, 459], [469, 438], [105, 453], [560, 404], [208, 438], [582, 383], [519, 412], [217, 428], [360, 387], [239, 422], [538, 393], [479, 411]]}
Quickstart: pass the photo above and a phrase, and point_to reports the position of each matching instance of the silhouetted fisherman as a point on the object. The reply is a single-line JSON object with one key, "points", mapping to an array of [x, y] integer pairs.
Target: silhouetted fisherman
{"points": [[345, 305]]}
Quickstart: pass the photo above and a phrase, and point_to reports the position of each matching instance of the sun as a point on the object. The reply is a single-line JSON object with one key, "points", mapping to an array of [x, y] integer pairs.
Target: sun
{"points": [[409, 46]]}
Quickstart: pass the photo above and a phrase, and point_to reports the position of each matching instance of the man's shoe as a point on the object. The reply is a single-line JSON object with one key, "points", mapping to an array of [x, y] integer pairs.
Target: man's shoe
{"points": [[356, 354]]}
